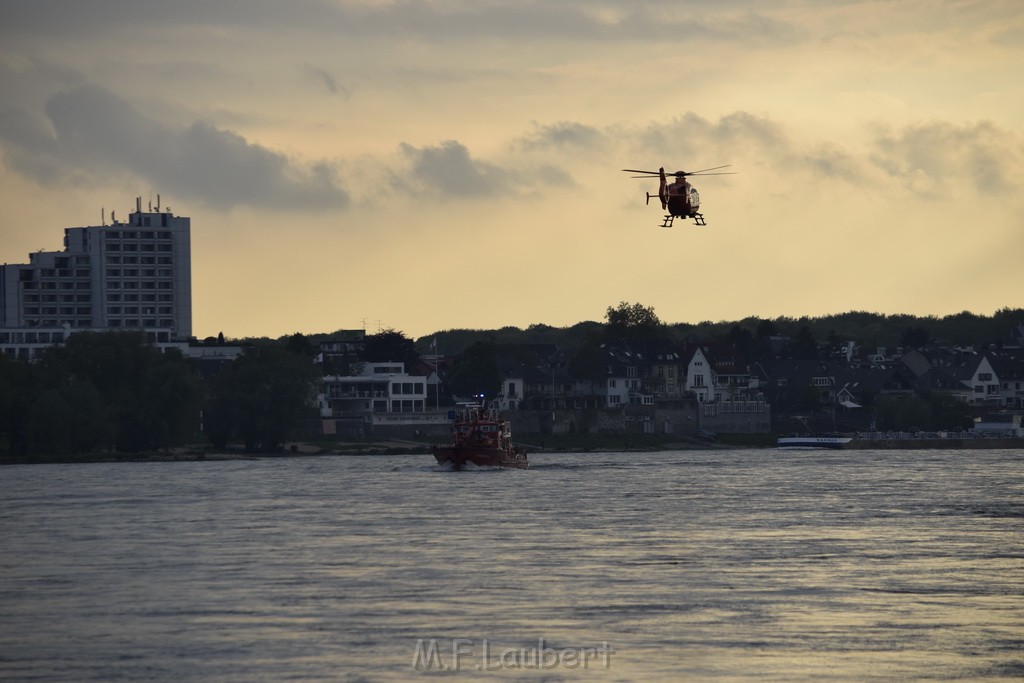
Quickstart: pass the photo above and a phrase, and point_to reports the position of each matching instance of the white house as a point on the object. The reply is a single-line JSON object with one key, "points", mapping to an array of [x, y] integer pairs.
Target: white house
{"points": [[975, 372], [700, 376], [379, 388], [616, 391]]}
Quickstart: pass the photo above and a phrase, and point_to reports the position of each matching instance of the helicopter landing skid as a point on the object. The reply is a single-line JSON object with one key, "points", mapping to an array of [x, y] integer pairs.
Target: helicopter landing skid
{"points": [[667, 223], [698, 219]]}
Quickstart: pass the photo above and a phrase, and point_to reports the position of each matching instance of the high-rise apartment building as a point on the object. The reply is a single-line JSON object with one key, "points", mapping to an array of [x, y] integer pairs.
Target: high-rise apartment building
{"points": [[131, 275]]}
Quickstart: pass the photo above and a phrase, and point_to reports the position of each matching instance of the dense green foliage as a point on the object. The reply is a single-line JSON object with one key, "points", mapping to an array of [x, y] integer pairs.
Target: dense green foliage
{"points": [[633, 321], [868, 330], [259, 398], [476, 372], [925, 413], [101, 391], [112, 392], [389, 345]]}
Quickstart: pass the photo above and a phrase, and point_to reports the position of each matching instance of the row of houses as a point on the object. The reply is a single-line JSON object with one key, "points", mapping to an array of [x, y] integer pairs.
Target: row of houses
{"points": [[638, 377]]}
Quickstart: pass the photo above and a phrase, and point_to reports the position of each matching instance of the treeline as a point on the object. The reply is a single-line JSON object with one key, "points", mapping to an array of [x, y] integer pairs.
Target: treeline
{"points": [[868, 330], [112, 392]]}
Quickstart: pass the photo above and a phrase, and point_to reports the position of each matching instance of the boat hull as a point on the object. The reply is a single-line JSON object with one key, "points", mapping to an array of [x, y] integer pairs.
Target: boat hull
{"points": [[833, 442], [458, 456]]}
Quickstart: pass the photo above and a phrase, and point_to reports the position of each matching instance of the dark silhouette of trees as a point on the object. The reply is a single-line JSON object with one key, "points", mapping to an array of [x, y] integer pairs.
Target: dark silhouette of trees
{"points": [[260, 398], [804, 346], [924, 412], [742, 339], [390, 345], [100, 391], [633, 321], [588, 362], [915, 337], [476, 372]]}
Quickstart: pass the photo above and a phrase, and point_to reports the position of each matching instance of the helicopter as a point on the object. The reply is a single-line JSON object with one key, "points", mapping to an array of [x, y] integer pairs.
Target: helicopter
{"points": [[679, 198]]}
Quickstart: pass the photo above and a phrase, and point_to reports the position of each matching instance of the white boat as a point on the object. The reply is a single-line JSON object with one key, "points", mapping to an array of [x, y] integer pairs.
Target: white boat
{"points": [[814, 441]]}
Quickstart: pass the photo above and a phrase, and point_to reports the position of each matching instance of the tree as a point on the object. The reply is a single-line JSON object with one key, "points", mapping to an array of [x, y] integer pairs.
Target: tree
{"points": [[915, 337], [804, 346], [926, 412], [390, 345], [742, 339], [633, 321], [476, 372], [145, 399], [589, 362], [260, 398], [766, 328], [16, 393], [300, 345]]}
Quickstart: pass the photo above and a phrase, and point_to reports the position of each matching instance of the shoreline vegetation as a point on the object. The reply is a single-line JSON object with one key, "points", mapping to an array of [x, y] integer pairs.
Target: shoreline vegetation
{"points": [[539, 443]]}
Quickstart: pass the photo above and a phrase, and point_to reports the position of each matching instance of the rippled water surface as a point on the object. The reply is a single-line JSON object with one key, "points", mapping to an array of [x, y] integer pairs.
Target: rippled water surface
{"points": [[779, 565]]}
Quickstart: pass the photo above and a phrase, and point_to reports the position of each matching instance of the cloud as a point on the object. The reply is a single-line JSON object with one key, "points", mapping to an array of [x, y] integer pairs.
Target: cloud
{"points": [[523, 20], [691, 140], [91, 131], [930, 158], [326, 80], [449, 171], [564, 134]]}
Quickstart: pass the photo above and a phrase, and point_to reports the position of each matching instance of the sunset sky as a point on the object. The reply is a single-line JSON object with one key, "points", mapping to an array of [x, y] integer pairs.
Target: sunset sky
{"points": [[456, 164]]}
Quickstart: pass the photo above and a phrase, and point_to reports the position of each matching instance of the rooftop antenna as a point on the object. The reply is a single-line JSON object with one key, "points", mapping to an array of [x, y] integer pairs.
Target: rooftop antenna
{"points": [[151, 201], [158, 202], [103, 215]]}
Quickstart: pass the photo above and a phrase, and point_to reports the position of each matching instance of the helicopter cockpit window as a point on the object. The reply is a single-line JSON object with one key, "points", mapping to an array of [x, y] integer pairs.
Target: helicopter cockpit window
{"points": [[694, 196]]}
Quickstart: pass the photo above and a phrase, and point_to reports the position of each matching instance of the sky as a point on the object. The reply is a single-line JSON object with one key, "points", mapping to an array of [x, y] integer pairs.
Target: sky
{"points": [[423, 166]]}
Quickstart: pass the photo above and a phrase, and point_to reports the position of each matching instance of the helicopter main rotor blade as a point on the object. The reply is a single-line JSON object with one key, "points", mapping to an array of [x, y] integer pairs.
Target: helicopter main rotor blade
{"points": [[714, 168], [633, 170]]}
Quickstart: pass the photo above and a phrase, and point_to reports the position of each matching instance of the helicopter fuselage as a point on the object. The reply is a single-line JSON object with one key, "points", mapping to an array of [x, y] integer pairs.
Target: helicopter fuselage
{"points": [[683, 204]]}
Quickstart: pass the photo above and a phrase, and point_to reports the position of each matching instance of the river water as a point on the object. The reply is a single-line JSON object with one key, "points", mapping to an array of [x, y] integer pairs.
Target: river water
{"points": [[695, 565]]}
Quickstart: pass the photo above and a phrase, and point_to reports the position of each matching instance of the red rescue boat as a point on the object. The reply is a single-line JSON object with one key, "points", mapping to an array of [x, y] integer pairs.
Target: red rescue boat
{"points": [[480, 437]]}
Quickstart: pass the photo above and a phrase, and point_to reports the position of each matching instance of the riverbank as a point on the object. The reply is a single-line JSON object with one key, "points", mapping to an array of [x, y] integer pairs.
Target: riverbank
{"points": [[954, 444], [533, 443]]}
